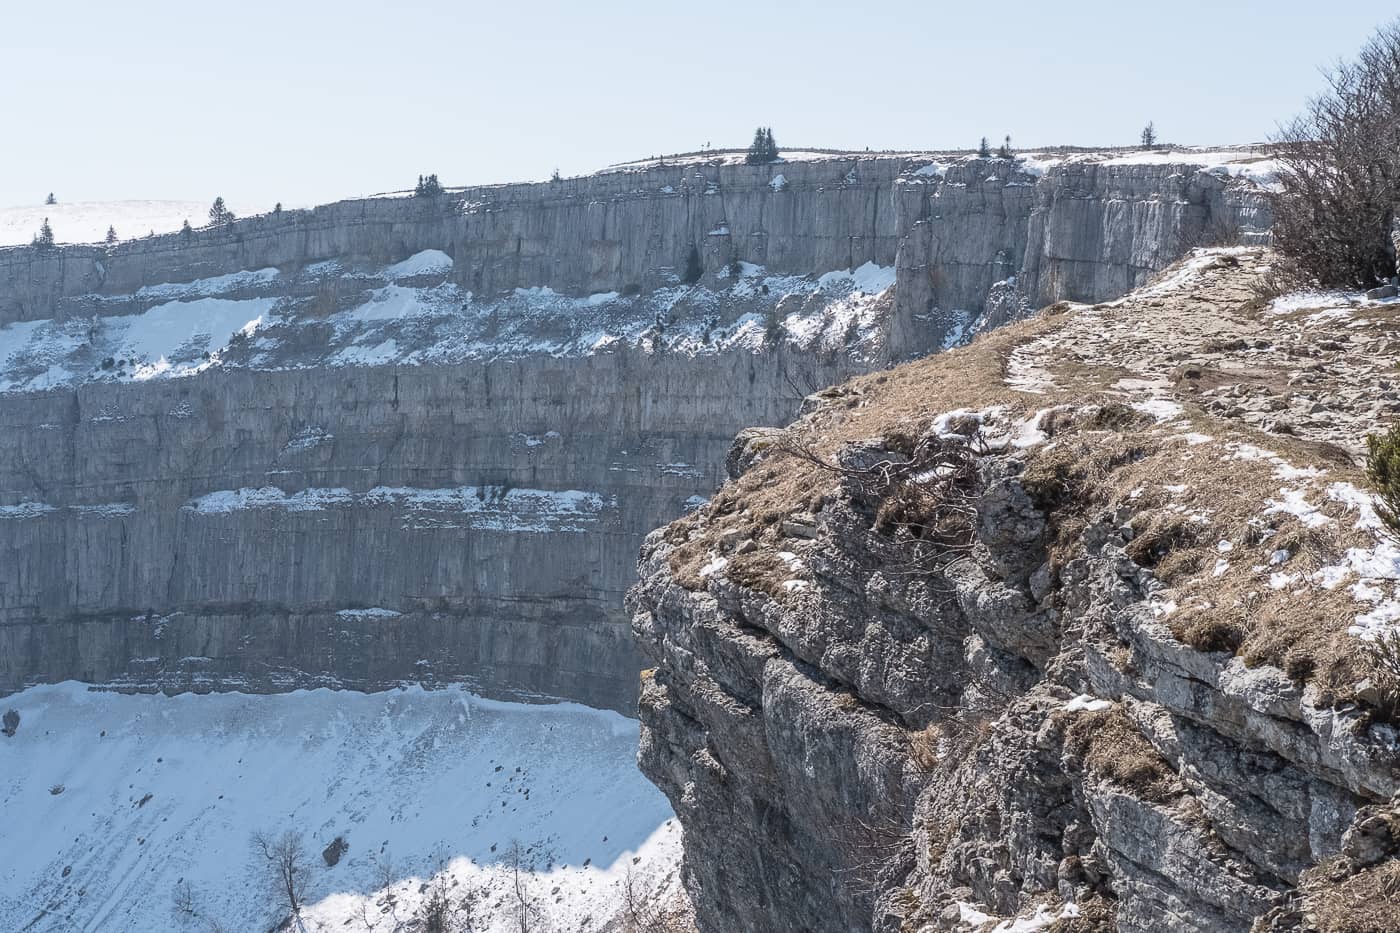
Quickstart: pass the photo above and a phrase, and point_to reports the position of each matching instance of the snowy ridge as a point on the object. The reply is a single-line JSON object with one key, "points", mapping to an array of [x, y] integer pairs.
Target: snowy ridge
{"points": [[119, 797], [1236, 164]]}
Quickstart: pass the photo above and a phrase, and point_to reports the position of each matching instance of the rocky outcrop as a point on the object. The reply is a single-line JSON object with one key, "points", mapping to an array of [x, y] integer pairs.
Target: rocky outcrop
{"points": [[421, 438], [960, 647], [1005, 238]]}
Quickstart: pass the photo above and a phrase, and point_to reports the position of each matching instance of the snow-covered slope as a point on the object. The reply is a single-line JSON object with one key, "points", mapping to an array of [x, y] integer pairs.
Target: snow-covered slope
{"points": [[110, 802], [87, 221]]}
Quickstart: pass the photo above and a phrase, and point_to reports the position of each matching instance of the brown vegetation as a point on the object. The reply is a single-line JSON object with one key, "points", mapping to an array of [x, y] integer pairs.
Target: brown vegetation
{"points": [[1366, 902], [1110, 746]]}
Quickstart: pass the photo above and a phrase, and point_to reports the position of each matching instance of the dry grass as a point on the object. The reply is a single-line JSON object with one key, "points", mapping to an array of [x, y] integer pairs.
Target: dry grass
{"points": [[897, 405], [1097, 914], [1366, 902], [1185, 501], [1110, 746]]}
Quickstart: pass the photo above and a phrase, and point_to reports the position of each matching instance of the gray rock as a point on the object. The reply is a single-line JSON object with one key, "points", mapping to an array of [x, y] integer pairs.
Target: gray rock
{"points": [[893, 751]]}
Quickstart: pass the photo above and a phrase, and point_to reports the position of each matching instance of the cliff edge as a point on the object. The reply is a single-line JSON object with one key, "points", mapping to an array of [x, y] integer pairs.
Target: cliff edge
{"points": [[1067, 629]]}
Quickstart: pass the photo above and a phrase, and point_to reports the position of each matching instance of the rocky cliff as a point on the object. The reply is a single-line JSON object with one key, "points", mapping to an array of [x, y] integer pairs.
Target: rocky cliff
{"points": [[1071, 629], [421, 438]]}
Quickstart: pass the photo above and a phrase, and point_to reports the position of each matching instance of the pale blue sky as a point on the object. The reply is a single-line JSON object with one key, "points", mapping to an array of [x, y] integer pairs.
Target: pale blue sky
{"points": [[306, 101]]}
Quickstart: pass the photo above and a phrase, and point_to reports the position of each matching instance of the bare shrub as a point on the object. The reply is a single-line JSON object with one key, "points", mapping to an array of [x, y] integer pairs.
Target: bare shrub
{"points": [[641, 914], [182, 899], [444, 910], [1340, 173], [922, 490], [1383, 653], [1279, 279], [184, 904], [284, 870], [525, 911]]}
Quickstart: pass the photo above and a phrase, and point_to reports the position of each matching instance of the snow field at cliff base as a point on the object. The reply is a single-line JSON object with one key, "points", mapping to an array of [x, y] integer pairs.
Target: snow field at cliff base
{"points": [[111, 802]]}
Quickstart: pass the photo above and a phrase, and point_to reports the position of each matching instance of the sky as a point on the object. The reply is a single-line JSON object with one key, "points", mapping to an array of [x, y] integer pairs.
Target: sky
{"points": [[307, 101]]}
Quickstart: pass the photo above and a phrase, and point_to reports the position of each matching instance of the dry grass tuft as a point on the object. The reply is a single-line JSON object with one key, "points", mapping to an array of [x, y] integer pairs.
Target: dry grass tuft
{"points": [[1167, 541], [762, 571], [1366, 902], [1214, 632], [1097, 914], [1110, 746]]}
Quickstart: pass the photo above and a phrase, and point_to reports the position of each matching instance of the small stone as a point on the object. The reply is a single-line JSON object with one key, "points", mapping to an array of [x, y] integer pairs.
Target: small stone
{"points": [[799, 526]]}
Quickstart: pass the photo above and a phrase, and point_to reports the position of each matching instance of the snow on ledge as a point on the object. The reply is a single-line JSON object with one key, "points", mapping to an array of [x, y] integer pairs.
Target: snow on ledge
{"points": [[480, 508], [426, 262], [373, 612]]}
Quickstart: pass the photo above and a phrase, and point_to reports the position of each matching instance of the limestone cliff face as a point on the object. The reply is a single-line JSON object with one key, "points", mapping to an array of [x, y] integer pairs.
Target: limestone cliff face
{"points": [[597, 233], [404, 438], [983, 241], [1023, 636]]}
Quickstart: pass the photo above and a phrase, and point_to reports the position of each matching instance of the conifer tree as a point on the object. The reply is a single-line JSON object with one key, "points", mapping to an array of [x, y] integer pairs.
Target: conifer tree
{"points": [[984, 151], [277, 208], [428, 186], [756, 148], [111, 235], [219, 214], [1004, 151], [50, 199], [44, 238], [1149, 136], [763, 149]]}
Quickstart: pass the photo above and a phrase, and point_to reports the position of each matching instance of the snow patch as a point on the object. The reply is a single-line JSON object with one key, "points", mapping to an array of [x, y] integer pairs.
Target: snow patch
{"points": [[1160, 409], [1087, 704], [426, 262]]}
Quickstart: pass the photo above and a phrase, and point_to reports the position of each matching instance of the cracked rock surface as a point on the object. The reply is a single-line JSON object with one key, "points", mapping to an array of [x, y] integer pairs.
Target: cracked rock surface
{"points": [[1046, 633]]}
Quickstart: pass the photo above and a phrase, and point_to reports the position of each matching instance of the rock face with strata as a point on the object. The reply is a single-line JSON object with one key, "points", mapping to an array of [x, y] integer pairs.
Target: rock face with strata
{"points": [[421, 438], [1025, 637]]}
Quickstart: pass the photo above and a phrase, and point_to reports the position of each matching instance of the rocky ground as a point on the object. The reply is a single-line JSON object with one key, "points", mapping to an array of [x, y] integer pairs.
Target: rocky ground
{"points": [[1069, 629]]}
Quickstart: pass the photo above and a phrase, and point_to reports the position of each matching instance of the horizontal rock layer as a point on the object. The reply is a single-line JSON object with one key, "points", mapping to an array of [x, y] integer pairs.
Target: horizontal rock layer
{"points": [[355, 366]]}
